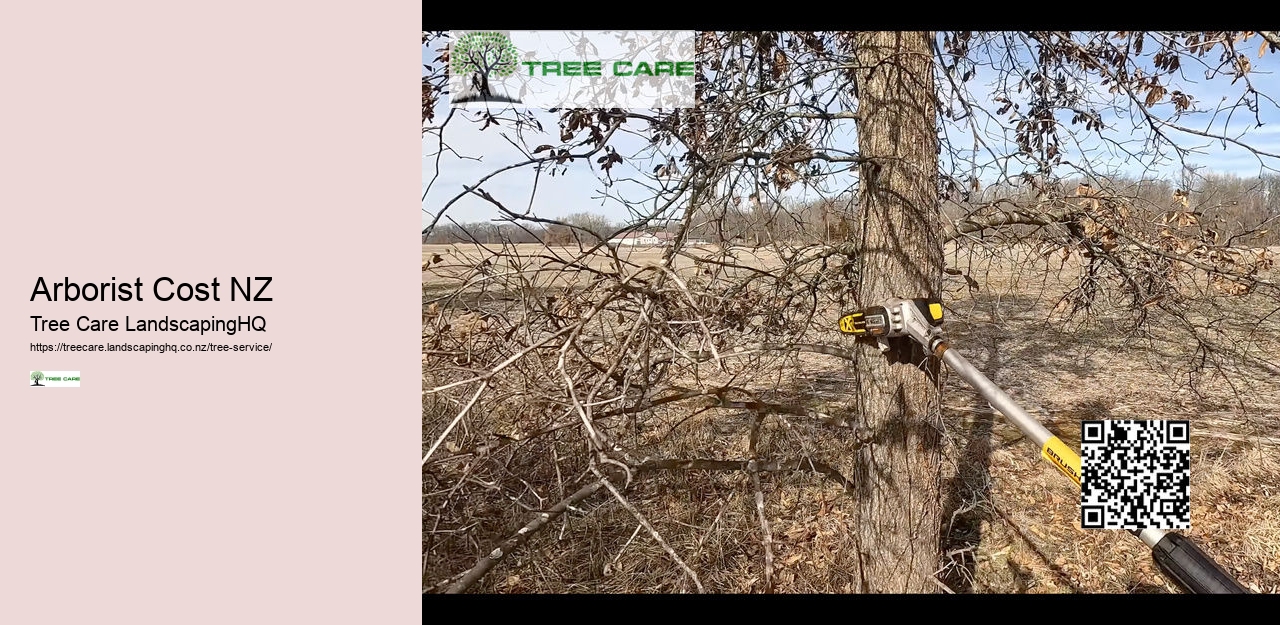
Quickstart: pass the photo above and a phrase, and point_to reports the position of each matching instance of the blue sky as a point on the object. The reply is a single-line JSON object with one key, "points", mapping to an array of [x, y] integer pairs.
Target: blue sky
{"points": [[580, 187]]}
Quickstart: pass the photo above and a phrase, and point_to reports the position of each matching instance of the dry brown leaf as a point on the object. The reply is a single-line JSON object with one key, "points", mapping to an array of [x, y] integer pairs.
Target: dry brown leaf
{"points": [[799, 533], [1154, 95], [1263, 261], [1230, 287]]}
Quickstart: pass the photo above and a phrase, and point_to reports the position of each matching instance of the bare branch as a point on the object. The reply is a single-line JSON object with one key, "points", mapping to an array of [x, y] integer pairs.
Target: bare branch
{"points": [[541, 520]]}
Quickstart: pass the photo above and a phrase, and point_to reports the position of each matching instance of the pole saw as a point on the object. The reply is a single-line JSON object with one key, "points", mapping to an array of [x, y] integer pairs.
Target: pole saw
{"points": [[920, 320]]}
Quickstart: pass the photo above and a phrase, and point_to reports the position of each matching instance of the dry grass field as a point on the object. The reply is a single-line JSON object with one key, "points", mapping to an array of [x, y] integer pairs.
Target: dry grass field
{"points": [[1011, 523]]}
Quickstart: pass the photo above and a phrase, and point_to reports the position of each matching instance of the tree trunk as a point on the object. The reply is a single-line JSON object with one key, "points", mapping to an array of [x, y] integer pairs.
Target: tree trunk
{"points": [[898, 475]]}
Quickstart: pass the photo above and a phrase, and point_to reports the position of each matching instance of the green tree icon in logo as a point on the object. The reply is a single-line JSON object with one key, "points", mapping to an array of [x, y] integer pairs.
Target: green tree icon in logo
{"points": [[480, 55], [36, 376]]}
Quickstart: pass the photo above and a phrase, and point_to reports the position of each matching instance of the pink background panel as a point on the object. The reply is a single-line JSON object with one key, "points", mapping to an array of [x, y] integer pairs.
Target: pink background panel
{"points": [[149, 139]]}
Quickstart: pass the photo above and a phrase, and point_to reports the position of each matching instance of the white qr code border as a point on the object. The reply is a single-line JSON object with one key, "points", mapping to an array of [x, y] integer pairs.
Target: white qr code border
{"points": [[1135, 474]]}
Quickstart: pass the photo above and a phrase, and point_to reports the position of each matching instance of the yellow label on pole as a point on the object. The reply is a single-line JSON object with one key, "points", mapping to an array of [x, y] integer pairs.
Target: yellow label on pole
{"points": [[1063, 457]]}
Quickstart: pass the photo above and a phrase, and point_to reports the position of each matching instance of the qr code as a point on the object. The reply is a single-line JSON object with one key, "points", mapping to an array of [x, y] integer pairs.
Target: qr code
{"points": [[1135, 474]]}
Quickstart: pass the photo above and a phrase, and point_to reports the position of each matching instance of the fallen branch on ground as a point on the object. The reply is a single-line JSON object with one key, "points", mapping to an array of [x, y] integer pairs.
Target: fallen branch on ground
{"points": [[541, 520]]}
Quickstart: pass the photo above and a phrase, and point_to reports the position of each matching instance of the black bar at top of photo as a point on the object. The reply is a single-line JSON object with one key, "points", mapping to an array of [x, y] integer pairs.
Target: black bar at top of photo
{"points": [[804, 16]]}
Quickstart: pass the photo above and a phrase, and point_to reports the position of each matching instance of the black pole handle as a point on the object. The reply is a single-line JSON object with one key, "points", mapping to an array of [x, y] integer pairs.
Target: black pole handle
{"points": [[1191, 568]]}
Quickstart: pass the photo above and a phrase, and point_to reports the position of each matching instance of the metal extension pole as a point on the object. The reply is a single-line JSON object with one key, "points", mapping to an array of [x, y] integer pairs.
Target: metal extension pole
{"points": [[998, 399]]}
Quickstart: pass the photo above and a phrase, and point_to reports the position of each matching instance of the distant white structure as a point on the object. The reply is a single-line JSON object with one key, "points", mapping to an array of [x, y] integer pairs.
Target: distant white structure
{"points": [[641, 239], [635, 238], [650, 239]]}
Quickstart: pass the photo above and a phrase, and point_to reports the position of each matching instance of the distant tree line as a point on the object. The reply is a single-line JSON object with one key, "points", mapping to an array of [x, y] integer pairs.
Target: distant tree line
{"points": [[583, 227], [1228, 209], [1237, 210]]}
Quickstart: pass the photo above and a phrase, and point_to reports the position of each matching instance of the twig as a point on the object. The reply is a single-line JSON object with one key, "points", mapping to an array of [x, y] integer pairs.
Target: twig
{"points": [[796, 411], [555, 458], [766, 535], [747, 350], [521, 536], [803, 463], [449, 580], [624, 547], [461, 413], [652, 532], [943, 586], [710, 528]]}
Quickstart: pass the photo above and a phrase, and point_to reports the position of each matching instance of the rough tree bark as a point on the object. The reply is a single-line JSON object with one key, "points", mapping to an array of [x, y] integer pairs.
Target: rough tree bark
{"points": [[899, 236]]}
